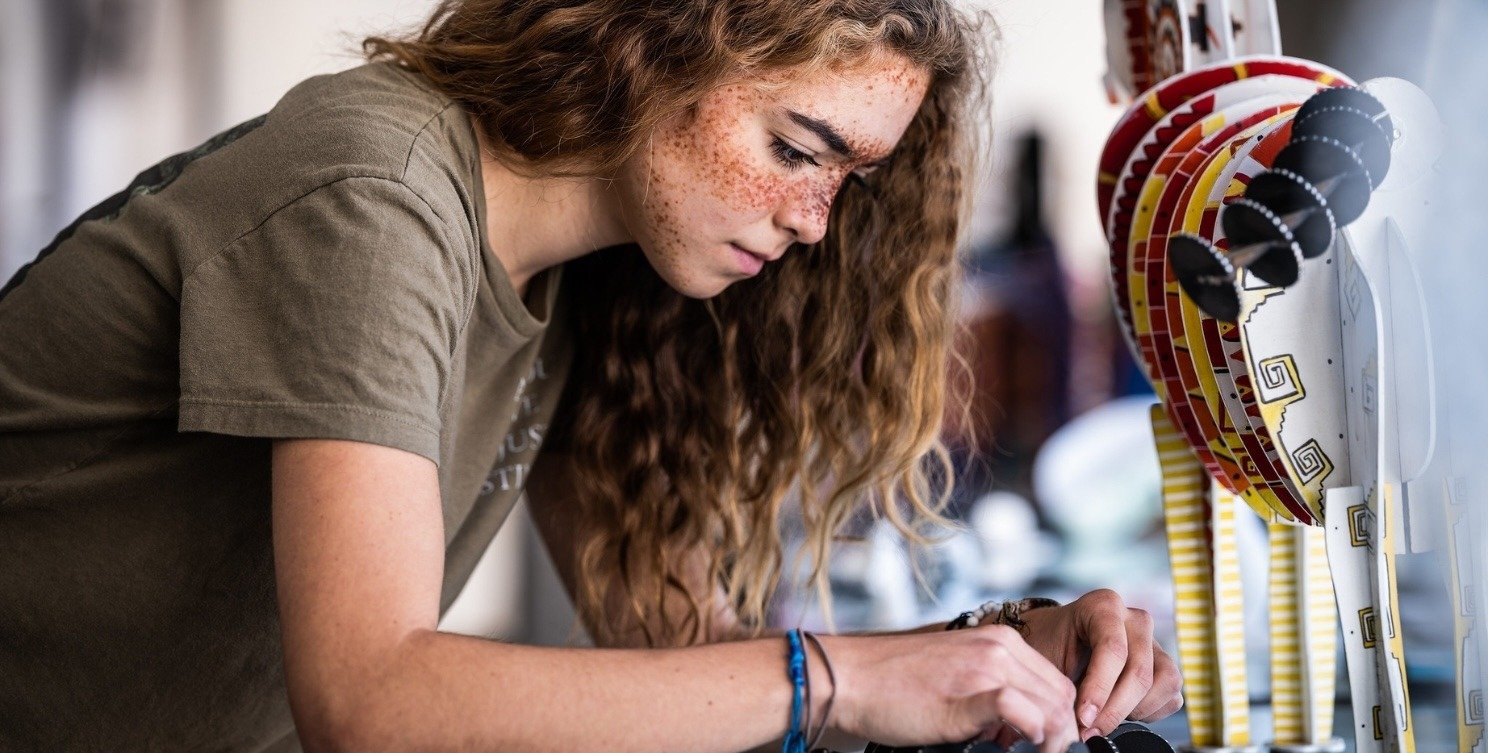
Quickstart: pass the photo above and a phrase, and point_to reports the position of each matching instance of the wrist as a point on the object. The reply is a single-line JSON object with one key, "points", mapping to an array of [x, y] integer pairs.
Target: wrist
{"points": [[837, 689], [1008, 613]]}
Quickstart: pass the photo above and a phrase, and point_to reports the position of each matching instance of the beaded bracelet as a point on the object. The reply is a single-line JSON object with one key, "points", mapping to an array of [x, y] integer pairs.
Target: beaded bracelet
{"points": [[1002, 613]]}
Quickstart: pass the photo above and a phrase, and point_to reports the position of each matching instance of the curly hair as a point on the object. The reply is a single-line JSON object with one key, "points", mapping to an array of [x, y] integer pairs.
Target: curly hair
{"points": [[823, 379]]}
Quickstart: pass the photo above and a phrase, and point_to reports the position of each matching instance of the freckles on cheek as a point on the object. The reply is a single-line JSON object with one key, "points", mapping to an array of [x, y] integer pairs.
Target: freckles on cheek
{"points": [[750, 189], [730, 165], [819, 202]]}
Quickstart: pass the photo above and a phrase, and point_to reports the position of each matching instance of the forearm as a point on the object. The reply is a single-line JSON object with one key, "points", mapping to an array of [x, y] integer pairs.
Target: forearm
{"points": [[451, 692]]}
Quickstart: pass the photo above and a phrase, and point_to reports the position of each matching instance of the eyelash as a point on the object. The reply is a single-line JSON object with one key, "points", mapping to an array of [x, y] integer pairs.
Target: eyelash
{"points": [[790, 156], [793, 158]]}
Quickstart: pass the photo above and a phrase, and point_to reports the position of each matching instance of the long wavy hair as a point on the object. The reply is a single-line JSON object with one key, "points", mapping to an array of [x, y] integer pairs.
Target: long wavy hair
{"points": [[823, 380]]}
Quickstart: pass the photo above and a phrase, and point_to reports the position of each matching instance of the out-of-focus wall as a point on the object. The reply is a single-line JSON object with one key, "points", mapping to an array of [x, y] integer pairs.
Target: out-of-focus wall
{"points": [[1047, 78], [94, 91]]}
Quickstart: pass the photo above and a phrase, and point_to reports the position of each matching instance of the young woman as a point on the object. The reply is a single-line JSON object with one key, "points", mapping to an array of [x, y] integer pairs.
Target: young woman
{"points": [[261, 412]]}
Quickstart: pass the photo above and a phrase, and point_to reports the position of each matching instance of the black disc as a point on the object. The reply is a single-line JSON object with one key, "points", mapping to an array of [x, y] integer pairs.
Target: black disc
{"points": [[1299, 205], [1141, 740], [1125, 727], [1334, 169], [985, 746], [1260, 242], [1351, 97], [1205, 275], [1100, 744], [1356, 131], [937, 748]]}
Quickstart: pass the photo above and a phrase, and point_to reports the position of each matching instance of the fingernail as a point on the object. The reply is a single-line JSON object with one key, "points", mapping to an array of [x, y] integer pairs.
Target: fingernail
{"points": [[1087, 714]]}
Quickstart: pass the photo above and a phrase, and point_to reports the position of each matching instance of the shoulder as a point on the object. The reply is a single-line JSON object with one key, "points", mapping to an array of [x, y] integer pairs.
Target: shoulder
{"points": [[323, 145], [376, 119]]}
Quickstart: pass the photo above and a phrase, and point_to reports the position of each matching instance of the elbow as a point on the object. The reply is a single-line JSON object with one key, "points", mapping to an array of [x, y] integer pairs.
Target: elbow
{"points": [[338, 717], [331, 727], [364, 711], [355, 729]]}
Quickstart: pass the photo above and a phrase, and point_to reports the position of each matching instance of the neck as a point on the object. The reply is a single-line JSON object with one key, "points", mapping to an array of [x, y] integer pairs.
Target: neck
{"points": [[536, 223]]}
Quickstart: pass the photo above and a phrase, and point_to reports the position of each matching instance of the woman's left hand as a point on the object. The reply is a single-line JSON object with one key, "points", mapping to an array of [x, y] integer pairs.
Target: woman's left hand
{"points": [[1128, 676]]}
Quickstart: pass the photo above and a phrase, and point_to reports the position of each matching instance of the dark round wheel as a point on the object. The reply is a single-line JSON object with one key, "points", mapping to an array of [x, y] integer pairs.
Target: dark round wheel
{"points": [[1205, 275], [1334, 169], [1260, 242], [985, 746], [1351, 97], [1139, 739], [1356, 130], [1300, 206], [1099, 744]]}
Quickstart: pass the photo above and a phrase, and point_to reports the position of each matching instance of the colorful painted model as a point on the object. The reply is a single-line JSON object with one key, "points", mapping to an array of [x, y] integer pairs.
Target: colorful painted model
{"points": [[1265, 216]]}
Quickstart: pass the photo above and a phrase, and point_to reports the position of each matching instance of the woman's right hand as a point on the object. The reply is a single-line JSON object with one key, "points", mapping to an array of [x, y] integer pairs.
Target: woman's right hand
{"points": [[950, 686]]}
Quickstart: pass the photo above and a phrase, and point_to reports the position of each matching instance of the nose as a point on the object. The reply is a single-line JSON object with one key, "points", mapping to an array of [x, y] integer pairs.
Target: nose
{"points": [[804, 212]]}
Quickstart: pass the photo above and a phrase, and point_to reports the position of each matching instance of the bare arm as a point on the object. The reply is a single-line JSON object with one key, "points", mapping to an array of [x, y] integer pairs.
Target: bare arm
{"points": [[550, 494], [359, 556]]}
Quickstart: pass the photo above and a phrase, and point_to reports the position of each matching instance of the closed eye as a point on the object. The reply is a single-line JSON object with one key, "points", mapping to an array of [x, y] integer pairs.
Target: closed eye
{"points": [[789, 156]]}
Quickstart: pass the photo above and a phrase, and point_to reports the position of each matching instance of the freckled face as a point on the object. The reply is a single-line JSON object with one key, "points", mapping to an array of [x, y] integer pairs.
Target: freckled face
{"points": [[753, 168]]}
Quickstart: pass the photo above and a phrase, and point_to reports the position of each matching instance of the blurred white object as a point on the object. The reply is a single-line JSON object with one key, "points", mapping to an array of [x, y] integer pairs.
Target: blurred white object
{"points": [[1097, 479], [1013, 550], [887, 578]]}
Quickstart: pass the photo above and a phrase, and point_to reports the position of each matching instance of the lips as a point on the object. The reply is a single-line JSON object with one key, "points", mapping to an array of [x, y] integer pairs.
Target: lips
{"points": [[755, 254], [749, 262], [762, 257]]}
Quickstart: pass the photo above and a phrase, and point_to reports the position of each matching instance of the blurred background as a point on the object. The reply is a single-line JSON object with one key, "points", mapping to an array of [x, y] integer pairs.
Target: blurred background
{"points": [[1058, 485]]}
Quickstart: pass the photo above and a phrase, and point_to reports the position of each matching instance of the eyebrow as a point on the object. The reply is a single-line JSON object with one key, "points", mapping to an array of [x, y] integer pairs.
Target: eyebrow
{"points": [[825, 131]]}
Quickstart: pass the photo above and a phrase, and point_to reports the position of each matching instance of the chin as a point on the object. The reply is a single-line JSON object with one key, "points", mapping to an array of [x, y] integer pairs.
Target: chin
{"points": [[697, 284], [689, 276], [702, 289]]}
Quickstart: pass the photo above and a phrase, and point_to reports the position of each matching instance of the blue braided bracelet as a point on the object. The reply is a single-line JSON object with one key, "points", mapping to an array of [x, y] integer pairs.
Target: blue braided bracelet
{"points": [[795, 739]]}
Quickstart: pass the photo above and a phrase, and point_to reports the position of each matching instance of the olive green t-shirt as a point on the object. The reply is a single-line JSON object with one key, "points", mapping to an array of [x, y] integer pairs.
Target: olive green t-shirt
{"points": [[320, 271]]}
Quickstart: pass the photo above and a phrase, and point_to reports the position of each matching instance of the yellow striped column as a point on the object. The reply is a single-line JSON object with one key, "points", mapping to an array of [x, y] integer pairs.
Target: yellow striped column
{"points": [[1229, 620], [1206, 590], [1303, 638], [1319, 632], [1286, 644]]}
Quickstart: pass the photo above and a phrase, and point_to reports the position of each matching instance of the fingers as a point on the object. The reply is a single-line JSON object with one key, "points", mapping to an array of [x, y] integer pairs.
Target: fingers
{"points": [[1037, 683], [1102, 623], [1023, 714], [1136, 679], [1015, 709], [1165, 696], [1006, 737]]}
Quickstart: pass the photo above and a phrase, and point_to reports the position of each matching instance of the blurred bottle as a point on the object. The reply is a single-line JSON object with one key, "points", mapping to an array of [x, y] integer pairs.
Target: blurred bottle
{"points": [[1016, 339]]}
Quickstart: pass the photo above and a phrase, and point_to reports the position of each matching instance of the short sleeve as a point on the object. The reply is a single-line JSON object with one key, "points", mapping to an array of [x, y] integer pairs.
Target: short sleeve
{"points": [[335, 318]]}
